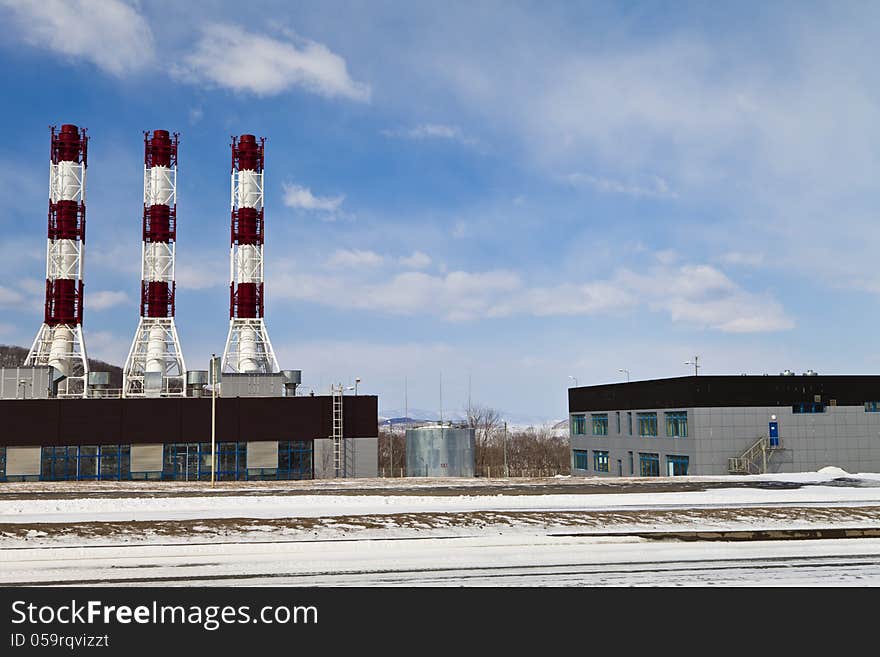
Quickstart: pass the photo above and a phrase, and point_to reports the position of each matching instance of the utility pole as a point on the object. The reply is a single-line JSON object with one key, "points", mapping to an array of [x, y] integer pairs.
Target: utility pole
{"points": [[441, 398], [506, 471]]}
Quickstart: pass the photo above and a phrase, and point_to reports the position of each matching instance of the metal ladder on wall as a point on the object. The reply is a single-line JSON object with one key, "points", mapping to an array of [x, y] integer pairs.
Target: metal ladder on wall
{"points": [[338, 441], [755, 459]]}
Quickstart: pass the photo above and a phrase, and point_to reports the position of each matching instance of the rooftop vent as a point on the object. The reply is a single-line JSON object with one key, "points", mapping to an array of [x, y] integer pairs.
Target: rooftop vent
{"points": [[786, 373], [811, 373]]}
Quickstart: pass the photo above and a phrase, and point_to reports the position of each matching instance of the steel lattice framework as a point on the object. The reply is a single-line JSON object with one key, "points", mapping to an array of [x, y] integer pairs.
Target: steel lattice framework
{"points": [[155, 363], [59, 342], [248, 349]]}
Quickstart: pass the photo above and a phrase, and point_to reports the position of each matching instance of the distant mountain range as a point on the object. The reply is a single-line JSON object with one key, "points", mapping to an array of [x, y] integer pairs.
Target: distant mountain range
{"points": [[396, 417]]}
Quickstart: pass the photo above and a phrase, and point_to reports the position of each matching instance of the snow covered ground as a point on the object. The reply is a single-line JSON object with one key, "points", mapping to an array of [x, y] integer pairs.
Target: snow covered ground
{"points": [[807, 528]]}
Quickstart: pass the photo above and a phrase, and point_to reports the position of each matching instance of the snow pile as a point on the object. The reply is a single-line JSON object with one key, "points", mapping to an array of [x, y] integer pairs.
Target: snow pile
{"points": [[834, 471]]}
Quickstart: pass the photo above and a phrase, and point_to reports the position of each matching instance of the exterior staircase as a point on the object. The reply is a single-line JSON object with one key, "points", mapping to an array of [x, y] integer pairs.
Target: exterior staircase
{"points": [[755, 459]]}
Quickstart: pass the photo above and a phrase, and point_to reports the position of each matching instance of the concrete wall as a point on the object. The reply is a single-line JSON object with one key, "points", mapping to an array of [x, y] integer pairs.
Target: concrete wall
{"points": [[362, 458], [844, 436]]}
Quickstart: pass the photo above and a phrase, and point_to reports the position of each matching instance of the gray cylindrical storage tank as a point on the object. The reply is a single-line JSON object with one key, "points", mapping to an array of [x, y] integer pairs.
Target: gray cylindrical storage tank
{"points": [[439, 452]]}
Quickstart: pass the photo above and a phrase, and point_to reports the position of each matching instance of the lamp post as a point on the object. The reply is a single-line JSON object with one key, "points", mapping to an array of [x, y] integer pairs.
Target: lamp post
{"points": [[622, 370], [215, 377], [356, 381], [696, 363]]}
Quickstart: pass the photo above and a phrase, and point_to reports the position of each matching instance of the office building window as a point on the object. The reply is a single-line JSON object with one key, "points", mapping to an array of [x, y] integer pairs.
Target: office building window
{"points": [[647, 424], [631, 470], [629, 422], [231, 461], [677, 424], [83, 462], [295, 459], [600, 461], [618, 422], [192, 461], [808, 407], [581, 459], [579, 424], [600, 424], [676, 466], [649, 465], [872, 407], [2, 464]]}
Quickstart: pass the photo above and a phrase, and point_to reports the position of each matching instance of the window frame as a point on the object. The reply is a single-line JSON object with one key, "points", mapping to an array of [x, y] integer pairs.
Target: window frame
{"points": [[675, 422], [601, 460], [647, 419], [652, 459], [676, 460], [287, 450]]}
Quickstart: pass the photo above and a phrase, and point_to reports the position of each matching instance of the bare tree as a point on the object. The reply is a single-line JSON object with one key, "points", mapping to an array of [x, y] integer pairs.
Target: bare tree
{"points": [[485, 422], [392, 444]]}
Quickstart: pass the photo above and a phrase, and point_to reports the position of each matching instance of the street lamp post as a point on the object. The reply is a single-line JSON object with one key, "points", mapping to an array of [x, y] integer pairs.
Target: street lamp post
{"points": [[696, 363], [356, 381], [622, 371], [215, 376]]}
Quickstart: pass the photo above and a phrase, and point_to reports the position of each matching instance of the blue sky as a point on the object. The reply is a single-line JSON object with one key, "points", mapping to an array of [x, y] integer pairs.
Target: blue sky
{"points": [[507, 193]]}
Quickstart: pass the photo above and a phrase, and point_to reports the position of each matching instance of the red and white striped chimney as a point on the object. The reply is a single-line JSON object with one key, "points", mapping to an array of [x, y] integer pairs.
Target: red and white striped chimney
{"points": [[59, 342], [248, 349], [155, 363]]}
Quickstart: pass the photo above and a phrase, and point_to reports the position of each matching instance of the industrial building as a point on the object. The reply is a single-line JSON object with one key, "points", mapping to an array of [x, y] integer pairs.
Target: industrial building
{"points": [[61, 421], [713, 425], [257, 438]]}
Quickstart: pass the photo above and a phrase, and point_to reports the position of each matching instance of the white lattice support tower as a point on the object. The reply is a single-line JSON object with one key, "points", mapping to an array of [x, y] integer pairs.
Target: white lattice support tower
{"points": [[59, 342], [155, 363], [248, 348]]}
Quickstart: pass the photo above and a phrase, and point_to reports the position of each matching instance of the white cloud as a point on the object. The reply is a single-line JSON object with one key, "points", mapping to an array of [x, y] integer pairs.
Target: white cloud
{"points": [[705, 296], [430, 131], [108, 33], [296, 196], [200, 273], [10, 298], [230, 57], [744, 259], [699, 295], [656, 188], [107, 346], [666, 257], [417, 260], [102, 300], [354, 258], [196, 114], [29, 294]]}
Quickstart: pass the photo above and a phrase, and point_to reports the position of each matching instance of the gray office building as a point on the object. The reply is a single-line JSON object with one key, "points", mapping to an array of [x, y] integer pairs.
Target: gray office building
{"points": [[712, 425]]}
